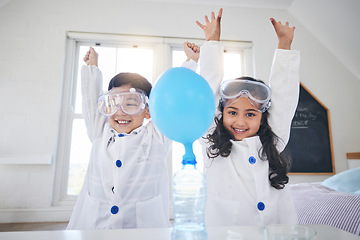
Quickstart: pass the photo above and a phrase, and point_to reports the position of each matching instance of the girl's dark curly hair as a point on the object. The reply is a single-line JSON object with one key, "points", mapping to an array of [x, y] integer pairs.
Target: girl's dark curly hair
{"points": [[221, 146]]}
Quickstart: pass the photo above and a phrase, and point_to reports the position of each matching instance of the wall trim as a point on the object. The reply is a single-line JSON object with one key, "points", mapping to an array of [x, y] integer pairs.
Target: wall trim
{"points": [[51, 214], [27, 159]]}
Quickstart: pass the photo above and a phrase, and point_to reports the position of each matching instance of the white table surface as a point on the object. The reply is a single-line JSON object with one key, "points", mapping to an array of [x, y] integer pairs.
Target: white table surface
{"points": [[324, 232]]}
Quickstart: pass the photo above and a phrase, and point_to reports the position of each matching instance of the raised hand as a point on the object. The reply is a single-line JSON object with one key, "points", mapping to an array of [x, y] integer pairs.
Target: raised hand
{"points": [[192, 51], [91, 57], [212, 28], [285, 34]]}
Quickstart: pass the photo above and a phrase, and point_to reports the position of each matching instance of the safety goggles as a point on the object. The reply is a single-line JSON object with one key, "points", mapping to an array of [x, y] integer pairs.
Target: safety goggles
{"points": [[132, 102], [258, 93]]}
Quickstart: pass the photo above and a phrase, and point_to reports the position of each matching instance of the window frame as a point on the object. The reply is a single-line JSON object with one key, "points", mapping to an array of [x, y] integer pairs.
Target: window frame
{"points": [[162, 46]]}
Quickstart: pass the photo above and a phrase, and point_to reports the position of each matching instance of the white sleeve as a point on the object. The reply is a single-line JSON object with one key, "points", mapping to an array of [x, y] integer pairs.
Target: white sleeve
{"points": [[212, 70], [191, 64], [91, 89], [284, 83], [212, 64]]}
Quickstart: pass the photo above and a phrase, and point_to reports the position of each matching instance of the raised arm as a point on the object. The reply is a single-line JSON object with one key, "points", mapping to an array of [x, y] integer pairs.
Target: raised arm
{"points": [[284, 83], [192, 52], [91, 89], [212, 53], [285, 34]]}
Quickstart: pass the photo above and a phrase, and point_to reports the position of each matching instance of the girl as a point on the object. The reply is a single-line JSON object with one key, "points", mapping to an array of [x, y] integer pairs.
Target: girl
{"points": [[246, 175]]}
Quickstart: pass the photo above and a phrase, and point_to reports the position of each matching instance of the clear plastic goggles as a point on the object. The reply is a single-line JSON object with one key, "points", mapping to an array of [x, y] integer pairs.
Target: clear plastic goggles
{"points": [[258, 93], [132, 102]]}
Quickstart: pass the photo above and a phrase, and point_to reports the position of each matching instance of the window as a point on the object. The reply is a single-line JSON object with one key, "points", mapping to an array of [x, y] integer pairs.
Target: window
{"points": [[148, 56]]}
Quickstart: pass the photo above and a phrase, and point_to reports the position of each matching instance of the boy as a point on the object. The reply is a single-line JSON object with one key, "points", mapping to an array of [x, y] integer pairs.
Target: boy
{"points": [[126, 184]]}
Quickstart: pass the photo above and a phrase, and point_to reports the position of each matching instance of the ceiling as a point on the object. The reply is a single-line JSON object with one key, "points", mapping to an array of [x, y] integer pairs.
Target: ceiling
{"points": [[336, 24], [274, 4], [4, 2]]}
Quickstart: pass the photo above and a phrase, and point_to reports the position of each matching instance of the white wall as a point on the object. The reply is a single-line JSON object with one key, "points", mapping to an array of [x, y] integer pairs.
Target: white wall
{"points": [[32, 48], [337, 27]]}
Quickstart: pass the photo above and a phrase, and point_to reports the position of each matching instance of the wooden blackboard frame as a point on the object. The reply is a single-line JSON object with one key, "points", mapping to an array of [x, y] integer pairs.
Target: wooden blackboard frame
{"points": [[295, 156]]}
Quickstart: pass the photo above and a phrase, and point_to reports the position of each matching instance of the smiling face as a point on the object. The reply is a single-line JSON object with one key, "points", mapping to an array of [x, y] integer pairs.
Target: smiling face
{"points": [[125, 123], [241, 118]]}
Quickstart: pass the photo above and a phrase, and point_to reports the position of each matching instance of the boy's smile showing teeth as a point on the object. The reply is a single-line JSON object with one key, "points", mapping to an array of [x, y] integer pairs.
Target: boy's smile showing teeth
{"points": [[123, 121], [122, 124]]}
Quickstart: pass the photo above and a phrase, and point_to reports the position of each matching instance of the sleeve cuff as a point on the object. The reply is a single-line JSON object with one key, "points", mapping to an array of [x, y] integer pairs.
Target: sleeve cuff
{"points": [[191, 64]]}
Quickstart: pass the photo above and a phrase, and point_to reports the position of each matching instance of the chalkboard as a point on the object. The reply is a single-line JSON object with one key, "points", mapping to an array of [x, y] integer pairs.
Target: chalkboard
{"points": [[310, 144]]}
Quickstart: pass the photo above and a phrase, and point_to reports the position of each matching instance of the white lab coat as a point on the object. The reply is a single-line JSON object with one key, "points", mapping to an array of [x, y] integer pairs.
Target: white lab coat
{"points": [[238, 189], [126, 184]]}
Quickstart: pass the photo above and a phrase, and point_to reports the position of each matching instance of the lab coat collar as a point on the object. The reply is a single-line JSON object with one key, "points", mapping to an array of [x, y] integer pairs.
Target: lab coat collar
{"points": [[254, 143], [246, 141], [133, 132], [113, 134]]}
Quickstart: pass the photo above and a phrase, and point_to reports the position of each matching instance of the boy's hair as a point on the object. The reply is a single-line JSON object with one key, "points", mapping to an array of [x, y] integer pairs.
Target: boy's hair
{"points": [[221, 146], [133, 79]]}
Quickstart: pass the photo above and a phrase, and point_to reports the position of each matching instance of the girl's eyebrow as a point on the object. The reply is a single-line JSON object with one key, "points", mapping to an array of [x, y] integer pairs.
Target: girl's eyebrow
{"points": [[247, 110], [235, 108], [251, 110]]}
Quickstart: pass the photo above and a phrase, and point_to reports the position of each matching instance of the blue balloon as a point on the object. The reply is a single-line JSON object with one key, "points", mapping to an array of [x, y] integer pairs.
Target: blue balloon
{"points": [[182, 105]]}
